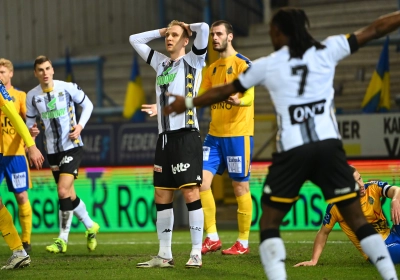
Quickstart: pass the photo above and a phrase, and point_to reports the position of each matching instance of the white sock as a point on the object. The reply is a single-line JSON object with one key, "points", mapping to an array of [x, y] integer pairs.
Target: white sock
{"points": [[374, 247], [20, 253], [165, 224], [273, 256], [245, 243], [196, 223], [213, 236], [65, 224], [82, 214]]}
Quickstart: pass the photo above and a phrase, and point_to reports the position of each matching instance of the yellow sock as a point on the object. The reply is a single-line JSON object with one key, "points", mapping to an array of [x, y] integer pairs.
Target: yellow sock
{"points": [[25, 220], [209, 209], [9, 231], [245, 209]]}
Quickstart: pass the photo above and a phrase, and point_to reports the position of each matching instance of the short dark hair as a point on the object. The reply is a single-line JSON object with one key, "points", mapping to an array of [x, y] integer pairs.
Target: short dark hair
{"points": [[228, 26], [353, 168], [41, 59], [293, 22]]}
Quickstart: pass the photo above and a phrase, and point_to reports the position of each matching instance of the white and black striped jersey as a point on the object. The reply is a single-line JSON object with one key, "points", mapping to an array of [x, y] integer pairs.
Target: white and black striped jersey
{"points": [[301, 90], [57, 114], [181, 77]]}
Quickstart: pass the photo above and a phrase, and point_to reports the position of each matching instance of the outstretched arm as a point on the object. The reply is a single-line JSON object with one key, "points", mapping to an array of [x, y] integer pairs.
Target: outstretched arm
{"points": [[379, 28], [394, 194], [319, 244], [211, 96]]}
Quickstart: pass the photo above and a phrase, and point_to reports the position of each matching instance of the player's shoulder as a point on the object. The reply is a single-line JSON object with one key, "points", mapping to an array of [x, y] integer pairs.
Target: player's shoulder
{"points": [[243, 58], [34, 91], [376, 183], [18, 91], [333, 40]]}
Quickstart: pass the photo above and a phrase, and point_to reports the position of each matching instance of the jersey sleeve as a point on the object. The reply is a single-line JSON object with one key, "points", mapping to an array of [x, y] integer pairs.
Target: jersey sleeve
{"points": [[139, 43], [76, 92], [206, 81], [248, 96], [337, 48], [253, 76], [22, 102], [31, 111], [382, 186], [197, 56], [330, 217]]}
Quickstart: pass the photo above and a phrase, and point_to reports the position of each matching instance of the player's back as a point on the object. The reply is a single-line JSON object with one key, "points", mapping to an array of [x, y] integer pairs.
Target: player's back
{"points": [[302, 92]]}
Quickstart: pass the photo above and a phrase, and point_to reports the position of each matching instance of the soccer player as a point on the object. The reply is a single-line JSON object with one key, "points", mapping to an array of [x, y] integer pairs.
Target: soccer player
{"points": [[14, 162], [229, 142], [19, 258], [178, 157], [299, 77], [53, 101], [370, 199]]}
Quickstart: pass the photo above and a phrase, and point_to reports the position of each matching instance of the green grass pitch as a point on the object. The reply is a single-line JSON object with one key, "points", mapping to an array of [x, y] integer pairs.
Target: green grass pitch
{"points": [[117, 254]]}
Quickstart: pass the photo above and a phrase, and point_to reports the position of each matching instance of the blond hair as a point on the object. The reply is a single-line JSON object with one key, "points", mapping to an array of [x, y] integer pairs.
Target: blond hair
{"points": [[177, 22], [7, 63]]}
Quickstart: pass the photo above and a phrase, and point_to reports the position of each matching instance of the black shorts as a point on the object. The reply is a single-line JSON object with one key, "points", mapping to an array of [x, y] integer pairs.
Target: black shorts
{"points": [[66, 162], [178, 160], [323, 163]]}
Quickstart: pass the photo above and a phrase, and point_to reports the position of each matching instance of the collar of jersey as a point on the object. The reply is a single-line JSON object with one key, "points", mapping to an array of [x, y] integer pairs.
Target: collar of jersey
{"points": [[47, 90]]}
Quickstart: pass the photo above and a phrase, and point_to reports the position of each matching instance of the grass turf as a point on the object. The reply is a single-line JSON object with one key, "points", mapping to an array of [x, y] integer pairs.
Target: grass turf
{"points": [[117, 254]]}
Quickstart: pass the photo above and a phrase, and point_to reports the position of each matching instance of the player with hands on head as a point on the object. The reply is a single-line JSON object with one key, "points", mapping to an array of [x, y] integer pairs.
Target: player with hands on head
{"points": [[370, 200], [178, 157], [299, 77], [53, 101]]}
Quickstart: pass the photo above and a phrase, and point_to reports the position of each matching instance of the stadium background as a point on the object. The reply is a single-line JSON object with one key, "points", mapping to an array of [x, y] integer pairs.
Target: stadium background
{"points": [[115, 178]]}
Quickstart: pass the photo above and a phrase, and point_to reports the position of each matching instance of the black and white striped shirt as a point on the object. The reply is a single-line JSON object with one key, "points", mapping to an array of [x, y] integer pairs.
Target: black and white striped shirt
{"points": [[182, 76]]}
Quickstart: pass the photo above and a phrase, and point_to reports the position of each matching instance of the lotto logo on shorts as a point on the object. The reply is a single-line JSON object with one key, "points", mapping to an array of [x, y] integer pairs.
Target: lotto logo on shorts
{"points": [[180, 167], [66, 159], [19, 180], [157, 168], [234, 164]]}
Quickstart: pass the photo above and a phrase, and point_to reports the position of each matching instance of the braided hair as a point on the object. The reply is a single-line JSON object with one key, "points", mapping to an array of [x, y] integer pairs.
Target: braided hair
{"points": [[293, 23]]}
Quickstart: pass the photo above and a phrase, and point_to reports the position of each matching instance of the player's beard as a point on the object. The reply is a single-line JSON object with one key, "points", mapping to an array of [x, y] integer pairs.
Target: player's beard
{"points": [[222, 47]]}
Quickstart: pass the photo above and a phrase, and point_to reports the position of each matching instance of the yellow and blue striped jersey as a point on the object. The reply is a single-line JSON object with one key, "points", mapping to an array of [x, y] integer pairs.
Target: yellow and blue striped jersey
{"points": [[228, 120], [12, 141], [372, 209]]}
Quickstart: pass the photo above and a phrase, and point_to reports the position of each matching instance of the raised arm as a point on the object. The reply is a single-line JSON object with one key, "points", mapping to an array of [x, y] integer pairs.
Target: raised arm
{"points": [[139, 43], [202, 31], [379, 28], [319, 244]]}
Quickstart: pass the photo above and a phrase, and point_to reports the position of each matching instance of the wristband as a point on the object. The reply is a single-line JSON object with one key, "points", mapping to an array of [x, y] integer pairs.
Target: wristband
{"points": [[189, 102]]}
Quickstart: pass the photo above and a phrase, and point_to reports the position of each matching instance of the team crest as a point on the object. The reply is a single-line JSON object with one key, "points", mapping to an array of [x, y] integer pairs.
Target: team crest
{"points": [[371, 200], [13, 98], [230, 70], [214, 71], [61, 96]]}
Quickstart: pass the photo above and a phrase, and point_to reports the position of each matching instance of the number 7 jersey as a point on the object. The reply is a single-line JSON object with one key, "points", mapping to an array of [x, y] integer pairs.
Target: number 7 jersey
{"points": [[301, 90]]}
